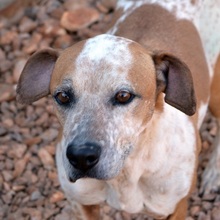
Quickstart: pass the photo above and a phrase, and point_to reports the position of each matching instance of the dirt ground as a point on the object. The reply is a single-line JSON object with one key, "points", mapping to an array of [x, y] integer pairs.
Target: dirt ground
{"points": [[29, 188]]}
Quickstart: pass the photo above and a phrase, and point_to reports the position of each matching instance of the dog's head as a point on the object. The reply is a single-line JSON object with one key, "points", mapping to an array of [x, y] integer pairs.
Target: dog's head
{"points": [[105, 90]]}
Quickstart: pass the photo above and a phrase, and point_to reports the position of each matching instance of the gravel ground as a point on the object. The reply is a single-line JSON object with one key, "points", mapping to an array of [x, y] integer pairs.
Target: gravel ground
{"points": [[28, 178]]}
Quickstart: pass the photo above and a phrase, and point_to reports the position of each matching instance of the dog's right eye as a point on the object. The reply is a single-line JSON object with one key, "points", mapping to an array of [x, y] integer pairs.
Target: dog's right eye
{"points": [[62, 98]]}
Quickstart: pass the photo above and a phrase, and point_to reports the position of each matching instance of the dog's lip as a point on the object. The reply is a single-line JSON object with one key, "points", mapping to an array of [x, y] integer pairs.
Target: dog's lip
{"points": [[72, 180]]}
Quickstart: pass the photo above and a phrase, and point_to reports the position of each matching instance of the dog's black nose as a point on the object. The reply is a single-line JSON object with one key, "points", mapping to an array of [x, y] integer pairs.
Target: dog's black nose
{"points": [[83, 157]]}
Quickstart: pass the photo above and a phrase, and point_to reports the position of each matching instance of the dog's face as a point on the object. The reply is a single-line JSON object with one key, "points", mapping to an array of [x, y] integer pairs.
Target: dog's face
{"points": [[105, 90], [103, 98]]}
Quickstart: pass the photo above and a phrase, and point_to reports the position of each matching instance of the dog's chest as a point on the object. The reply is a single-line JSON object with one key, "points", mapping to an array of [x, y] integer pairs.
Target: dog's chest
{"points": [[162, 175], [155, 177]]}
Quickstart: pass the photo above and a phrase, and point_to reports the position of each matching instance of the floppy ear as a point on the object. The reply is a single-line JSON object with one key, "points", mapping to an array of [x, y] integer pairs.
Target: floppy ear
{"points": [[175, 80], [34, 81]]}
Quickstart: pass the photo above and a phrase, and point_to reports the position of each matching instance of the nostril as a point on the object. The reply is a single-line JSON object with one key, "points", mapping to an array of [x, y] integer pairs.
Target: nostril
{"points": [[92, 159], [83, 157]]}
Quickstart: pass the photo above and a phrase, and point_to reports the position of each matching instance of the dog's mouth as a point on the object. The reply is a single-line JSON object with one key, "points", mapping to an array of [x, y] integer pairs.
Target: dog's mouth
{"points": [[77, 174], [91, 161]]}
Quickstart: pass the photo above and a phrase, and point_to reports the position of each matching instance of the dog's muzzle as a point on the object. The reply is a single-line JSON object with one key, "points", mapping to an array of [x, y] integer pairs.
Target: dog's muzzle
{"points": [[83, 157]]}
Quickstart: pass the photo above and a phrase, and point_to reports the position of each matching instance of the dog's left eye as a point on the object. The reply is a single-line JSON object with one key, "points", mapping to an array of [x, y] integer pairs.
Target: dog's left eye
{"points": [[123, 97], [62, 98]]}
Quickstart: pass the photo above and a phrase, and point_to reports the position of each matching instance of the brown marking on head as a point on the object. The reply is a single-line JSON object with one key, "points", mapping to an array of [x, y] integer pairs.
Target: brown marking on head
{"points": [[156, 29]]}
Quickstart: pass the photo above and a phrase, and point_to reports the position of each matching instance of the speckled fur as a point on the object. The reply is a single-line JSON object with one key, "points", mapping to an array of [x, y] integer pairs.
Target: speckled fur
{"points": [[149, 149]]}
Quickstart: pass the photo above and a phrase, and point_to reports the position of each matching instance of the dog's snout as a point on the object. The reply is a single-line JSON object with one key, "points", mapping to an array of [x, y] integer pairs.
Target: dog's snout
{"points": [[83, 157]]}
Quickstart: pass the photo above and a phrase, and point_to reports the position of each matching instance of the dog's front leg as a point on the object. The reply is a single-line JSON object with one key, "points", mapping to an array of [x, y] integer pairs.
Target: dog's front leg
{"points": [[84, 212], [180, 212], [91, 212]]}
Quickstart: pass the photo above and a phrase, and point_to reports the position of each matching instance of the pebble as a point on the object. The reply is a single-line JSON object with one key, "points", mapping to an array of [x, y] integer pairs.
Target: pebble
{"points": [[35, 195], [57, 197], [46, 158], [7, 92], [50, 135], [19, 65], [17, 150], [20, 165], [216, 214], [27, 25], [79, 18]]}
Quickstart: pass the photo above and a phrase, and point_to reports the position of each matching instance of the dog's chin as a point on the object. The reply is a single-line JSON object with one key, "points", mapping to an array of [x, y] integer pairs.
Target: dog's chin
{"points": [[76, 175]]}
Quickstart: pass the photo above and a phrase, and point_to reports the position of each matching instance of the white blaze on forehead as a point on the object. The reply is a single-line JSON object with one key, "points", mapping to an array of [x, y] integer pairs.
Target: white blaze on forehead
{"points": [[104, 63], [106, 47]]}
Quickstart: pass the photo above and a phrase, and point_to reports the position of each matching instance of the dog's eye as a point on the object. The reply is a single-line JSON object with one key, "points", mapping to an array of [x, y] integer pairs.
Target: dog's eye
{"points": [[62, 98], [123, 97]]}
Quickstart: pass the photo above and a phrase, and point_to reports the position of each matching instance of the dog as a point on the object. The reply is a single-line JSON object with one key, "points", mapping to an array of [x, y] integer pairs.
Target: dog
{"points": [[130, 103]]}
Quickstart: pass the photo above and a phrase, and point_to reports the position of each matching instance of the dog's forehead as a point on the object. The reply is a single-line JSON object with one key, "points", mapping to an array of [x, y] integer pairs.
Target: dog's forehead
{"points": [[106, 47], [103, 62]]}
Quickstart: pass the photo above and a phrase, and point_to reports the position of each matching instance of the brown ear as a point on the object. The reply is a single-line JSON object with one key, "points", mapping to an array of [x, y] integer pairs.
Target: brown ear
{"points": [[175, 80], [34, 81]]}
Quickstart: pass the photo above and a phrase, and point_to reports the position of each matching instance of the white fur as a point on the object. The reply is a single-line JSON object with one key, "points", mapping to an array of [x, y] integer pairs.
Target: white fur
{"points": [[169, 162], [111, 52], [202, 112]]}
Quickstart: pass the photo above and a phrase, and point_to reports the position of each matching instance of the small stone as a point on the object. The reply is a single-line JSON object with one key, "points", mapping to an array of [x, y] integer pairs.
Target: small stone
{"points": [[110, 4], [67, 213], [73, 4], [18, 188], [63, 41], [209, 197], [52, 28], [213, 130], [3, 131], [5, 65], [19, 65], [2, 55], [20, 165], [205, 145], [32, 141], [216, 214], [17, 150], [7, 175], [51, 149], [8, 37], [7, 92], [206, 206], [50, 135], [52, 176], [46, 158], [8, 122], [57, 197], [194, 210], [79, 18], [27, 25], [35, 195], [202, 216], [101, 7]]}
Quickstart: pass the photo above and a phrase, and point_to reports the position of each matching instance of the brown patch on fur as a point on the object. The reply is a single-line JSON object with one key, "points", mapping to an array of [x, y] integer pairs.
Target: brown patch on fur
{"points": [[180, 212], [193, 2], [143, 77], [158, 30], [215, 91], [91, 211], [65, 64]]}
